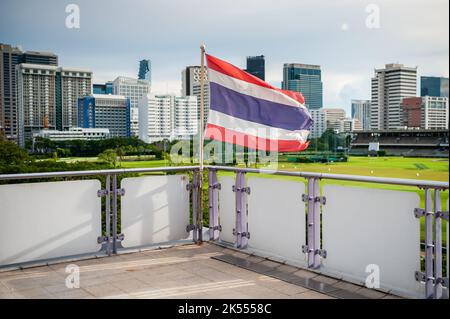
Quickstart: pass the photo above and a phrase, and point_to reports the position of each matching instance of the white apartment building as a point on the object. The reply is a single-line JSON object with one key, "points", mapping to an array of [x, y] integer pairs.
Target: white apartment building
{"points": [[348, 125], [167, 117], [134, 89], [75, 83], [361, 111], [333, 117], [190, 82], [319, 123], [74, 133], [389, 86], [434, 113]]}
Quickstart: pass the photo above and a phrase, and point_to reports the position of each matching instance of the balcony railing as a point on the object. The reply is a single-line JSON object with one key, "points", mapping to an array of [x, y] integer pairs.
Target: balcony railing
{"points": [[369, 236]]}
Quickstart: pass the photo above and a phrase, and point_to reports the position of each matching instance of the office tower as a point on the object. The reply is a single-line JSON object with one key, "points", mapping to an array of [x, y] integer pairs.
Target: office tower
{"points": [[190, 81], [319, 123], [167, 117], [306, 79], [256, 66], [348, 125], [36, 99], [361, 111], [10, 57], [102, 88], [333, 117], [389, 87], [105, 111], [145, 70], [426, 112], [433, 86], [134, 89], [71, 84]]}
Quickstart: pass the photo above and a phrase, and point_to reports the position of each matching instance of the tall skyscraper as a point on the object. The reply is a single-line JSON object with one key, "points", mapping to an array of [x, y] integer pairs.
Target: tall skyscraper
{"points": [[306, 79], [167, 117], [256, 66], [190, 81], [9, 57], [134, 89], [361, 111], [105, 111], [389, 86], [433, 86], [145, 70]]}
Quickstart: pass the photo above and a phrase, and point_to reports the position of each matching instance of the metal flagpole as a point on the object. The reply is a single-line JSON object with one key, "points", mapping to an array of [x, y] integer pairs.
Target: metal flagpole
{"points": [[201, 137]]}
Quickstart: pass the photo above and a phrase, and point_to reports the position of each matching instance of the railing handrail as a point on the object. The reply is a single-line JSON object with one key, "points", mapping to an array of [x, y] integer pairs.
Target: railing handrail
{"points": [[342, 177], [97, 172]]}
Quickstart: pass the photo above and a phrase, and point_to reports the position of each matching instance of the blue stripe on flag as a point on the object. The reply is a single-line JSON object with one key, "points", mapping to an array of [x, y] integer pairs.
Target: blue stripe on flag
{"points": [[257, 110]]}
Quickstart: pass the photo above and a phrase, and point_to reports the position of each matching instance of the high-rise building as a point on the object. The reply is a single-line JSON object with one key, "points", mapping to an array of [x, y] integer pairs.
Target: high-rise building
{"points": [[134, 89], [36, 87], [333, 116], [145, 70], [10, 57], [426, 112], [190, 81], [361, 111], [256, 66], [433, 86], [319, 123], [105, 111], [71, 84], [102, 88], [306, 79], [167, 117], [389, 87]]}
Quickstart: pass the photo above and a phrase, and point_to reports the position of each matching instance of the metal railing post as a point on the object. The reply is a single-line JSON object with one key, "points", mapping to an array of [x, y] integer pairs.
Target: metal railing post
{"points": [[194, 205], [240, 230], [114, 222], [316, 221], [429, 278], [438, 245], [310, 220], [108, 214], [213, 191]]}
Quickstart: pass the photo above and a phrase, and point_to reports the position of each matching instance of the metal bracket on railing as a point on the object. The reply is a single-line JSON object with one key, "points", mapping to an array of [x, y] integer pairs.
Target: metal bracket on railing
{"points": [[442, 281], [102, 239], [419, 212], [218, 227], [443, 215], [216, 186], [242, 234], [306, 250], [321, 252], [102, 193], [421, 277], [321, 199], [241, 189], [190, 186], [120, 237], [190, 227], [121, 191], [305, 198]]}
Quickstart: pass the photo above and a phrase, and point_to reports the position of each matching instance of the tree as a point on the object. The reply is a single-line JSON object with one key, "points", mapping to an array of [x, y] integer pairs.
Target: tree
{"points": [[108, 156]]}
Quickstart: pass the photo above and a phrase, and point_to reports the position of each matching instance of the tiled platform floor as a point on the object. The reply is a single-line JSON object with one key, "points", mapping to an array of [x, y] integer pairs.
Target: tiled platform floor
{"points": [[178, 272]]}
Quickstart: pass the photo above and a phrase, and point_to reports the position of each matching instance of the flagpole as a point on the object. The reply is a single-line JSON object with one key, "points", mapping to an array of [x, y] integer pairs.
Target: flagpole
{"points": [[201, 137]]}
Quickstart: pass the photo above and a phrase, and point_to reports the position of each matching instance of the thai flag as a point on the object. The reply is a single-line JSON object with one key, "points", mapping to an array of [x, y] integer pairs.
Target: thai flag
{"points": [[247, 111]]}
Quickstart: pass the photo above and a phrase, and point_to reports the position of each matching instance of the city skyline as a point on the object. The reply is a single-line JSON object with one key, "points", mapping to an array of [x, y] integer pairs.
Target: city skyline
{"points": [[342, 51]]}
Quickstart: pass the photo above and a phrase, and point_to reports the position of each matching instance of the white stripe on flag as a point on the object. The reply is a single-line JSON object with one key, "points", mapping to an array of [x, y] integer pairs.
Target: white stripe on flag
{"points": [[255, 129]]}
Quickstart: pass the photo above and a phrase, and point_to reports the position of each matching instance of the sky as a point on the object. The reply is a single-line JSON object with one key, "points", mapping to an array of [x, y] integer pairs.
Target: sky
{"points": [[114, 35]]}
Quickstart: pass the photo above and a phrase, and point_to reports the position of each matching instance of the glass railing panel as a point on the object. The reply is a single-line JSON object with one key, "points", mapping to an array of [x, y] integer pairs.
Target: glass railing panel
{"points": [[227, 209]]}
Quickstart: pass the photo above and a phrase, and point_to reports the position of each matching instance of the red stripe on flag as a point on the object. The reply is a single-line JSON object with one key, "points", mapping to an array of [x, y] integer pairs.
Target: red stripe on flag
{"points": [[219, 133], [230, 70]]}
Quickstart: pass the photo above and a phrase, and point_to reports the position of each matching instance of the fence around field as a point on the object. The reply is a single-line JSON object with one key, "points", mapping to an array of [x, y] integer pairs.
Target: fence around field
{"points": [[362, 235]]}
